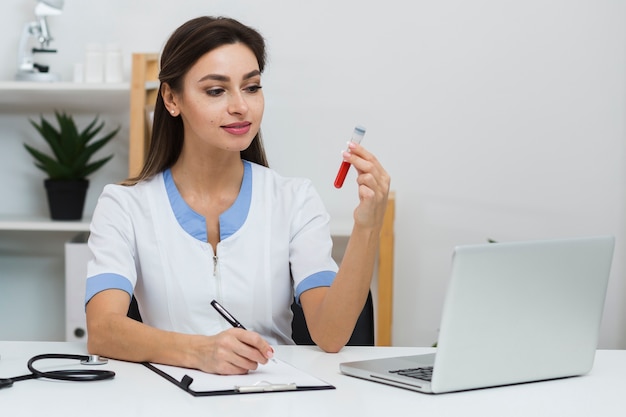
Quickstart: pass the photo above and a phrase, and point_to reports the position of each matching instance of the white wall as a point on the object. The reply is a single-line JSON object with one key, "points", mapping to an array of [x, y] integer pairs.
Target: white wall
{"points": [[496, 119]]}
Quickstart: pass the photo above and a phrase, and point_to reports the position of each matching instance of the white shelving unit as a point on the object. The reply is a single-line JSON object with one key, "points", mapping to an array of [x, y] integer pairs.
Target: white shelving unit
{"points": [[17, 96], [41, 224], [33, 264]]}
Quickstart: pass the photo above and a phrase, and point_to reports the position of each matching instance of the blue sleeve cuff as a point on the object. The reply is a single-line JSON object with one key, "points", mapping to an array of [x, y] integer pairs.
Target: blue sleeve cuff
{"points": [[319, 279], [107, 281]]}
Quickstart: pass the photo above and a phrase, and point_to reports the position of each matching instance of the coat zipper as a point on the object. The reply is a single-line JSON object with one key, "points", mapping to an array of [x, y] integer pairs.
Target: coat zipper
{"points": [[216, 277]]}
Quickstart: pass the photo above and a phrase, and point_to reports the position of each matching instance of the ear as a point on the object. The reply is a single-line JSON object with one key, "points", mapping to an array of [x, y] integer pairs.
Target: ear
{"points": [[169, 99]]}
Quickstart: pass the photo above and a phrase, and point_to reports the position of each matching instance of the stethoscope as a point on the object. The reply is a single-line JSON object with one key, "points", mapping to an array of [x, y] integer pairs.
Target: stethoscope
{"points": [[74, 375]]}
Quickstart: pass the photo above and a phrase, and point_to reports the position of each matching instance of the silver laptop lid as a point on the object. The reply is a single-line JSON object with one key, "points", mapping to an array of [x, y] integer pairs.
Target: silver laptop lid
{"points": [[522, 311]]}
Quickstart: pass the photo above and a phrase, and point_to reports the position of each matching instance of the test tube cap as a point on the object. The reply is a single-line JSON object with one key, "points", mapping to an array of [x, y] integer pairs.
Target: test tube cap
{"points": [[359, 130]]}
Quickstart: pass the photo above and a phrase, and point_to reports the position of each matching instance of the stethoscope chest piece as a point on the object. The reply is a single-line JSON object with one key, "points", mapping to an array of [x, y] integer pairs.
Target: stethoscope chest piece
{"points": [[94, 360]]}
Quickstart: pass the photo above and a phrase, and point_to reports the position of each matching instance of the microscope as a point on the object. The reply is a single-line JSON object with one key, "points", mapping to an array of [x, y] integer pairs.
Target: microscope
{"points": [[28, 69]]}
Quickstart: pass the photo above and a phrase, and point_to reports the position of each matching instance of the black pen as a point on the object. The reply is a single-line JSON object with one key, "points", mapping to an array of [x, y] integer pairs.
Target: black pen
{"points": [[224, 313]]}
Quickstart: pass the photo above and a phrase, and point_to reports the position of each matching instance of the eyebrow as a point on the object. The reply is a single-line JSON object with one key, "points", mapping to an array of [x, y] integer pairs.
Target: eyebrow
{"points": [[224, 78]]}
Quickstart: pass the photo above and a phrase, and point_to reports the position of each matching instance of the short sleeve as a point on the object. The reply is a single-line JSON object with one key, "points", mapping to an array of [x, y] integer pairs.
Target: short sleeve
{"points": [[112, 244], [311, 245]]}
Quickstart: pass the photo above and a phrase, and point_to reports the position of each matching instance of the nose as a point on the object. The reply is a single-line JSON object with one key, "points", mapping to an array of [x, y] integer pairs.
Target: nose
{"points": [[237, 103]]}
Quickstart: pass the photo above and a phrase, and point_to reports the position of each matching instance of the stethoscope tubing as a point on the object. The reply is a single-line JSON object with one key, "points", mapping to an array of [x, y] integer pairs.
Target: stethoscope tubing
{"points": [[73, 375]]}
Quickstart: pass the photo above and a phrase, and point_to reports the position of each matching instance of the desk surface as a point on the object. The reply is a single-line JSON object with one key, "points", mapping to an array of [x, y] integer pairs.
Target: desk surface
{"points": [[136, 391]]}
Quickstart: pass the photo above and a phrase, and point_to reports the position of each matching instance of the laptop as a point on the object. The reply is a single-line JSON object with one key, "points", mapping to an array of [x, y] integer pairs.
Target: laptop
{"points": [[514, 312]]}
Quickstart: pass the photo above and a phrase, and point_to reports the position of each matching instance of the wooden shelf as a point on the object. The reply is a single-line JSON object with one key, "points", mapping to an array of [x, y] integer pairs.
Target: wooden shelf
{"points": [[20, 96], [42, 224], [143, 94], [384, 305]]}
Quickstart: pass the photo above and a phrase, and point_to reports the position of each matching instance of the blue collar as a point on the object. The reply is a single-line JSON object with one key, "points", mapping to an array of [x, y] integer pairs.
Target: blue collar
{"points": [[195, 224]]}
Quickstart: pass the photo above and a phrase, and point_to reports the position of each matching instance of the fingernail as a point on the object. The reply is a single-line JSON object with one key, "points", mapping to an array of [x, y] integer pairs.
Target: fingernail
{"points": [[345, 154], [351, 145]]}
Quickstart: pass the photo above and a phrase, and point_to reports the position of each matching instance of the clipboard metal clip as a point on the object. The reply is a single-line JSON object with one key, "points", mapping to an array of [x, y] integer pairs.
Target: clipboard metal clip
{"points": [[265, 386]]}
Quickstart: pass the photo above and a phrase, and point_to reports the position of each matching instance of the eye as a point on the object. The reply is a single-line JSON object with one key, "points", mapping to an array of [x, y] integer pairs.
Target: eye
{"points": [[215, 92], [253, 88]]}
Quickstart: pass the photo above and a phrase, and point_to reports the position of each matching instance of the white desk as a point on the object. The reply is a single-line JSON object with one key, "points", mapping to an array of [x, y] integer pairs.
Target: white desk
{"points": [[136, 391]]}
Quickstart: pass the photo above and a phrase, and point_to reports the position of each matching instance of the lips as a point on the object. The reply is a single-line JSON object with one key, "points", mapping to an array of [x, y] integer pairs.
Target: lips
{"points": [[239, 128]]}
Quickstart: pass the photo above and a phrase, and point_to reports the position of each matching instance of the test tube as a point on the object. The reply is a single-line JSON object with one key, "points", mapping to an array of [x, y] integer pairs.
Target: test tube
{"points": [[357, 137]]}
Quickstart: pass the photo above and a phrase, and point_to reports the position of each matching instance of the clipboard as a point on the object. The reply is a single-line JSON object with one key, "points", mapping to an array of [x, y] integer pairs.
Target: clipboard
{"points": [[275, 376]]}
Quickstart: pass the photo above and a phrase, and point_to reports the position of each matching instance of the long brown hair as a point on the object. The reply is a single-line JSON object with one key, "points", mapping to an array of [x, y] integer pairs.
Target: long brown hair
{"points": [[183, 49]]}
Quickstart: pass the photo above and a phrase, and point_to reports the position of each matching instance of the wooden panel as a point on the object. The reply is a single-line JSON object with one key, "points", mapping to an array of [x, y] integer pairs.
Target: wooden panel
{"points": [[384, 308], [143, 93]]}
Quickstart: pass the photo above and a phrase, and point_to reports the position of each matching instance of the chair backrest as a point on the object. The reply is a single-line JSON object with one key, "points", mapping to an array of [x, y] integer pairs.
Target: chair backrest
{"points": [[133, 310], [363, 334]]}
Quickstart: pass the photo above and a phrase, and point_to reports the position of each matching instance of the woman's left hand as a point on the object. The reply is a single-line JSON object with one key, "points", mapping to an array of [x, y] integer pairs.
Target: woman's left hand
{"points": [[373, 182], [331, 312]]}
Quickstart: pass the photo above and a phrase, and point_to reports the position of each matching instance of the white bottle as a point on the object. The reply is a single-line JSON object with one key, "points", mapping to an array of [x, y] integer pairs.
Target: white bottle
{"points": [[94, 63], [113, 65]]}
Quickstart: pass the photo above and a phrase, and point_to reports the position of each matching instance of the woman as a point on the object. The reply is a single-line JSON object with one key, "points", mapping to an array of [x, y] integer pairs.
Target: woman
{"points": [[207, 219]]}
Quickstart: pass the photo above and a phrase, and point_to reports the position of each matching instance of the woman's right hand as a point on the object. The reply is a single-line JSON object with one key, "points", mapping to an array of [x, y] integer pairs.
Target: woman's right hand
{"points": [[233, 352], [113, 335]]}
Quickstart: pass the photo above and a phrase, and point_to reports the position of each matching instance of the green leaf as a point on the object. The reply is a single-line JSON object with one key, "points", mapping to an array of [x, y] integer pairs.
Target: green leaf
{"points": [[95, 166], [88, 133], [51, 136]]}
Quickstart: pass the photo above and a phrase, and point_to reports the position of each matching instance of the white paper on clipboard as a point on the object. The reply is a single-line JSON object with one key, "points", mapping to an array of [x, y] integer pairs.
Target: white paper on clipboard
{"points": [[275, 373]]}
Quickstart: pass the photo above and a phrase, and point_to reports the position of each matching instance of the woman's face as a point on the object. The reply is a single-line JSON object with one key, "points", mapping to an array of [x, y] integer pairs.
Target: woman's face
{"points": [[222, 102]]}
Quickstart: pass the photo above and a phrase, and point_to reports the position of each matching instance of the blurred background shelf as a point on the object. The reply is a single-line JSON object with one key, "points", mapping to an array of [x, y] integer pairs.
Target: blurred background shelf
{"points": [[19, 96], [41, 224]]}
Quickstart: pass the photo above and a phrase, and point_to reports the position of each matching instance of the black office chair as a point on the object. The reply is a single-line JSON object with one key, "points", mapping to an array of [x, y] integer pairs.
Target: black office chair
{"points": [[363, 334], [133, 310]]}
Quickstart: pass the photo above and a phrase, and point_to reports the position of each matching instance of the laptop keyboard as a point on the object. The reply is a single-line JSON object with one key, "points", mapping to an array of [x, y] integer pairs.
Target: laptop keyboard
{"points": [[424, 373]]}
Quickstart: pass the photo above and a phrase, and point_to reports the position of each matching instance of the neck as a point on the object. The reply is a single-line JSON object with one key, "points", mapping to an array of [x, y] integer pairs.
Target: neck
{"points": [[207, 172]]}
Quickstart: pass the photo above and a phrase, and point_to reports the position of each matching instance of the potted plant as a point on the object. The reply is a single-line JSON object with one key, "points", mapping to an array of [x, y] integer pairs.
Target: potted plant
{"points": [[70, 164]]}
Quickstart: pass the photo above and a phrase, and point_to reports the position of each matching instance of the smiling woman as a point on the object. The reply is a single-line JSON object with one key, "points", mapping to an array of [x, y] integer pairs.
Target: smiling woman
{"points": [[206, 219]]}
